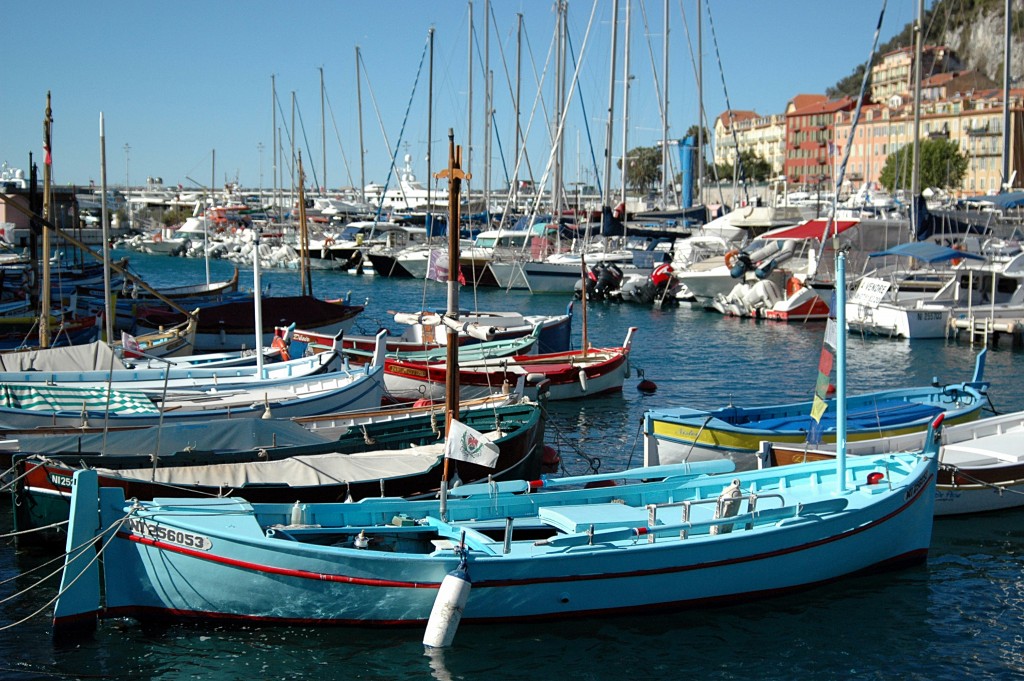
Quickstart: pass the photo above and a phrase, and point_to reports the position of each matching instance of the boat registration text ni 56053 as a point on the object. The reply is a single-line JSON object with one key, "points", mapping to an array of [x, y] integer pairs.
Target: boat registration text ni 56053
{"points": [[186, 540]]}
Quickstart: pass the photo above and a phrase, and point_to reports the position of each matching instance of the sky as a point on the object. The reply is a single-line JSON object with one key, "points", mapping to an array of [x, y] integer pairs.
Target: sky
{"points": [[185, 87]]}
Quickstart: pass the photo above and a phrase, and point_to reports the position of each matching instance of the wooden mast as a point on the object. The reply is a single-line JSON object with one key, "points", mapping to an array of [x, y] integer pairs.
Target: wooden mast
{"points": [[455, 175], [44, 298], [305, 282]]}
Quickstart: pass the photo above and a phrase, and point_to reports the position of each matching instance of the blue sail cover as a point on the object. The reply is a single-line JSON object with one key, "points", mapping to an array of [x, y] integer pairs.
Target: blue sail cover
{"points": [[928, 252], [1004, 201]]}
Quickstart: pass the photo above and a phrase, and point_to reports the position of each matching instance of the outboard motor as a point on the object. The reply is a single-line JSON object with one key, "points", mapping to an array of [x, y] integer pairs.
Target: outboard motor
{"points": [[609, 280], [603, 280], [662, 285]]}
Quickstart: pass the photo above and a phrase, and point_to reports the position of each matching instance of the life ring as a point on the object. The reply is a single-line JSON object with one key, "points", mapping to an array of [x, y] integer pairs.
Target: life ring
{"points": [[730, 257], [329, 241], [279, 344]]}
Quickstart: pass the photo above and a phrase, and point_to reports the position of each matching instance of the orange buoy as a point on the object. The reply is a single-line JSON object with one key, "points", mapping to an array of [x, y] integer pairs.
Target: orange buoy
{"points": [[550, 459], [645, 386]]}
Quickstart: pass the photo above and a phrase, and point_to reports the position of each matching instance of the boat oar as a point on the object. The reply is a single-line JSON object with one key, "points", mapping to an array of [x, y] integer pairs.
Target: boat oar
{"points": [[652, 472]]}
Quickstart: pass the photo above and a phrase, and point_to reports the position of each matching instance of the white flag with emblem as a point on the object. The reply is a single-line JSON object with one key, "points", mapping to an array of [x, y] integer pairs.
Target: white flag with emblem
{"points": [[466, 444]]}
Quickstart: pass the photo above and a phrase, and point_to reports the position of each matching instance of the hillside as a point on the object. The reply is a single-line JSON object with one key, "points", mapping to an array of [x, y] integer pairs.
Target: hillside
{"points": [[972, 28]]}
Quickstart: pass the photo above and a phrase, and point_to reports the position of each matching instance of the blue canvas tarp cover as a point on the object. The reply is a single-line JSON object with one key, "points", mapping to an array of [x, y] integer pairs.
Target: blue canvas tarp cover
{"points": [[927, 251]]}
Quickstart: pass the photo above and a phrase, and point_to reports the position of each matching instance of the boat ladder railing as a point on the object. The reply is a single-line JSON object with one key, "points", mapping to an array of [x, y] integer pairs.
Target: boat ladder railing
{"points": [[752, 499]]}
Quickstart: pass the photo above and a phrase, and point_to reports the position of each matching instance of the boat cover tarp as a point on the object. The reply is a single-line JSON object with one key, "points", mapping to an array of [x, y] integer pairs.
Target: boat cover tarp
{"points": [[927, 251], [1004, 201], [225, 435], [59, 398], [86, 357], [299, 471]]}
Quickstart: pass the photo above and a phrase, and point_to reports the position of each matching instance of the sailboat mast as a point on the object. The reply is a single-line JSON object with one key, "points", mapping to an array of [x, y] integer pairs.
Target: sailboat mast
{"points": [[606, 198], [840, 332], [359, 113], [108, 307], [700, 107], [430, 131], [519, 130], [469, 102], [44, 303], [915, 168], [1006, 95], [213, 202], [560, 117], [273, 141], [305, 282], [488, 104], [323, 135], [455, 176], [664, 117], [625, 99]]}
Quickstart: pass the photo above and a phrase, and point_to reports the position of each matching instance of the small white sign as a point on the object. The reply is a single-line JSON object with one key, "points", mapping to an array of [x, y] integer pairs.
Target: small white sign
{"points": [[870, 292]]}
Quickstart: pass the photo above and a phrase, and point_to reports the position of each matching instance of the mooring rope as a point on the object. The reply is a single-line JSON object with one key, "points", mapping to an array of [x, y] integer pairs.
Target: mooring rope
{"points": [[956, 472], [18, 533], [112, 530]]}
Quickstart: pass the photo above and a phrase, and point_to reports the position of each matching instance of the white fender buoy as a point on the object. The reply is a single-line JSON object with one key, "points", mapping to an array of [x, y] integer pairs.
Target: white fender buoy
{"points": [[449, 604], [583, 380], [728, 506]]}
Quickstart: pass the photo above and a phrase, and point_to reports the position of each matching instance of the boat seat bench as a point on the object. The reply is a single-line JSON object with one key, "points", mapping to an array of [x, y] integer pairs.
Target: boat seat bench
{"points": [[579, 518]]}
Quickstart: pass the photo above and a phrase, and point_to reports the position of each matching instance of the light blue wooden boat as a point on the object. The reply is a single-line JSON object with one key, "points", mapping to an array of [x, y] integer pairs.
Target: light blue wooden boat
{"points": [[529, 555]]}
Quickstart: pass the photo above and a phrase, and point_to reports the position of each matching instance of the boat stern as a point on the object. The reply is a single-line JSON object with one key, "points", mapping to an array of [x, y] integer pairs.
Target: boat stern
{"points": [[78, 601]]}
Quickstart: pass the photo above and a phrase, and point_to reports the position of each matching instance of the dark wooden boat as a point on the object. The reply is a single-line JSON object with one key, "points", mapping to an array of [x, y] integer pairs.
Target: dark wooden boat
{"points": [[277, 461], [229, 325]]}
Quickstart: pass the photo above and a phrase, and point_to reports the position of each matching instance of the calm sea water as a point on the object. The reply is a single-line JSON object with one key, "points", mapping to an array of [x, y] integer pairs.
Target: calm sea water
{"points": [[960, 615]]}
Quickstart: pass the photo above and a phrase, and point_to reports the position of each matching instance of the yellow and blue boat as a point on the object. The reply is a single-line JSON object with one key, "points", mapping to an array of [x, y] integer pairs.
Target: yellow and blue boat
{"points": [[682, 434]]}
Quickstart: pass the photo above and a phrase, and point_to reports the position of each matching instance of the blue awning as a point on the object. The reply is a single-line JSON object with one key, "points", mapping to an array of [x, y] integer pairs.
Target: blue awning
{"points": [[928, 252]]}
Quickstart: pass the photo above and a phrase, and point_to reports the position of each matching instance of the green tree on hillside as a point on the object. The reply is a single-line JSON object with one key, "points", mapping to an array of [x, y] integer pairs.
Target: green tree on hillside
{"points": [[943, 165]]}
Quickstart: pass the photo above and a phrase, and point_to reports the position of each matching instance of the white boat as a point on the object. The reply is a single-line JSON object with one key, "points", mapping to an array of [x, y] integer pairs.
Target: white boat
{"points": [[752, 278], [44, 406], [167, 240], [560, 273], [981, 463], [410, 194], [978, 287]]}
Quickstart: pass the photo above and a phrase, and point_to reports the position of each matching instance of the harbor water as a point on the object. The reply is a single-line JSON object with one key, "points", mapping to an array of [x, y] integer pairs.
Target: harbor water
{"points": [[959, 615]]}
